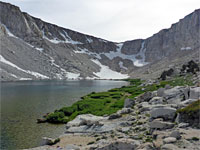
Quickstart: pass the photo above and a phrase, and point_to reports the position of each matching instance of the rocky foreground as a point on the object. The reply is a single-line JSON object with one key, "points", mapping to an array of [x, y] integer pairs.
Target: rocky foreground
{"points": [[166, 119]]}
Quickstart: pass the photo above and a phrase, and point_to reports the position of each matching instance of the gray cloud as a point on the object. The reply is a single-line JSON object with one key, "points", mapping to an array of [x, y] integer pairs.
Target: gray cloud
{"points": [[115, 20]]}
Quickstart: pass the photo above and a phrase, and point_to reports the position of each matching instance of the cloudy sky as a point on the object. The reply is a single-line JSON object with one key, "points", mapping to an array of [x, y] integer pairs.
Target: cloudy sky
{"points": [[115, 20]]}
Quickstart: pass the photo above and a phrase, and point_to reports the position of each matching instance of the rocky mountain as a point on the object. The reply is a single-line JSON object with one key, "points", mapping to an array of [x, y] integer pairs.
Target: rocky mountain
{"points": [[32, 49]]}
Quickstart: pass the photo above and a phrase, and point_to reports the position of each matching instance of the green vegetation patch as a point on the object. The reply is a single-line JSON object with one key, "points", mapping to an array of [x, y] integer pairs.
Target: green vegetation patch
{"points": [[106, 103], [99, 104], [191, 109]]}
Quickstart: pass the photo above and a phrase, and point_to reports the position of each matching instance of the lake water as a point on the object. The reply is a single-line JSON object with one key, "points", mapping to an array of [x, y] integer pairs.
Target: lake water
{"points": [[25, 101]]}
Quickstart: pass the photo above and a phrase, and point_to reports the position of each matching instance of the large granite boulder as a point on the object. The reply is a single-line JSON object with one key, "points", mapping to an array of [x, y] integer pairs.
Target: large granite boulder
{"points": [[190, 114], [85, 119], [174, 95], [167, 113]]}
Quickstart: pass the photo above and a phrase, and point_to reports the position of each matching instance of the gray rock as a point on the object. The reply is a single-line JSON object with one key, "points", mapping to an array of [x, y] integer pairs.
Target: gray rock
{"points": [[72, 147], [174, 95], [175, 134], [186, 102], [183, 125], [167, 113], [85, 119], [126, 123], [114, 116], [128, 103], [90, 123], [169, 147], [131, 118], [161, 125], [124, 129], [121, 145], [156, 100], [195, 93], [106, 126], [169, 140], [145, 97], [124, 111], [144, 106], [48, 141]]}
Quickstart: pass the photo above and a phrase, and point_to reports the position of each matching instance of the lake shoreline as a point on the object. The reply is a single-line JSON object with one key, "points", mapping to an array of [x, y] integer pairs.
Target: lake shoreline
{"points": [[141, 123], [46, 95]]}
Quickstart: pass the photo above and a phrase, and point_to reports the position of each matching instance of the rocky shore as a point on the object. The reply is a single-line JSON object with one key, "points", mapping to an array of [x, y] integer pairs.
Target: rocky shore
{"points": [[150, 122], [162, 119]]}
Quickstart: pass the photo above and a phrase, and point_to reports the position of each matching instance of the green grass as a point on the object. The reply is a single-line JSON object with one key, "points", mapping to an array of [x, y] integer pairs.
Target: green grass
{"points": [[106, 103]]}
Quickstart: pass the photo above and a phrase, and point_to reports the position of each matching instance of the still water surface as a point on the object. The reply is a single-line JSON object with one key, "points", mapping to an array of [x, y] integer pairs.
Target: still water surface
{"points": [[23, 102]]}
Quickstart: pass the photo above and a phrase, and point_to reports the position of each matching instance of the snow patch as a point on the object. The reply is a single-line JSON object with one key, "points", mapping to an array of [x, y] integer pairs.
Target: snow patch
{"points": [[36, 74], [121, 64], [39, 49], [186, 48], [137, 62], [13, 75], [25, 79], [112, 54], [65, 36], [107, 73]]}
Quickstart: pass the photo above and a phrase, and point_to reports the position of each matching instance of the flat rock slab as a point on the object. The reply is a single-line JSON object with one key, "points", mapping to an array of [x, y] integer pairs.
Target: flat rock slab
{"points": [[86, 117], [122, 144], [156, 124], [170, 147], [106, 127], [167, 113]]}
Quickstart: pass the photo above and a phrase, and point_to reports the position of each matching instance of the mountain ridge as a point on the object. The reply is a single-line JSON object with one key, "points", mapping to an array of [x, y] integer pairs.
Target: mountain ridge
{"points": [[72, 52]]}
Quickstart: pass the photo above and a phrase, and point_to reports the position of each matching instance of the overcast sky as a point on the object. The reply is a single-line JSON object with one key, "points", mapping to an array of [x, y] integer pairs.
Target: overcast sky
{"points": [[115, 20]]}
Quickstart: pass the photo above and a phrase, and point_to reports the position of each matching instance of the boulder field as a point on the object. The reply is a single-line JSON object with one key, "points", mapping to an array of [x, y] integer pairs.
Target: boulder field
{"points": [[167, 119]]}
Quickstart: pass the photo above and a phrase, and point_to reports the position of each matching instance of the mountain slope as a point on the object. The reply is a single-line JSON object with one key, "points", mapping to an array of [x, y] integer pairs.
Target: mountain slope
{"points": [[34, 49]]}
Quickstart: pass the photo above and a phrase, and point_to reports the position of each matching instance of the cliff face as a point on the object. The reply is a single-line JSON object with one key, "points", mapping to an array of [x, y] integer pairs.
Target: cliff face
{"points": [[32, 48], [182, 36]]}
